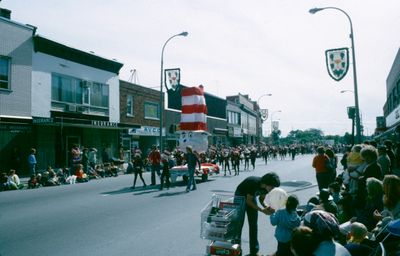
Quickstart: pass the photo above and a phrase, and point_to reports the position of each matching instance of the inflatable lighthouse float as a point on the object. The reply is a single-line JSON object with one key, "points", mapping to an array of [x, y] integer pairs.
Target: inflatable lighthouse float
{"points": [[193, 126]]}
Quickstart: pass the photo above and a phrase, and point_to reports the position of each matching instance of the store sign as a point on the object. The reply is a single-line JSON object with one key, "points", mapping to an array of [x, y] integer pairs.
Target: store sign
{"points": [[147, 131], [15, 128], [393, 118], [42, 120], [237, 132], [104, 124]]}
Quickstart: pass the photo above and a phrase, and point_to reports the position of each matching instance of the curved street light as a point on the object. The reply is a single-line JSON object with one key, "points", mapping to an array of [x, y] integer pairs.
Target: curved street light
{"points": [[357, 107], [343, 91], [161, 85], [266, 94]]}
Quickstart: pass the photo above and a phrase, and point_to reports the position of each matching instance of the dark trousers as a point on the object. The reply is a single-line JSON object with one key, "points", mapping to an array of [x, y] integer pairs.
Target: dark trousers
{"points": [[165, 176], [284, 249], [252, 218], [154, 169], [140, 176], [323, 179], [253, 162]]}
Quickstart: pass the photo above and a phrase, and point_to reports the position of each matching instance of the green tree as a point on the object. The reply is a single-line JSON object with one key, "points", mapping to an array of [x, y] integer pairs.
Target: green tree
{"points": [[275, 136]]}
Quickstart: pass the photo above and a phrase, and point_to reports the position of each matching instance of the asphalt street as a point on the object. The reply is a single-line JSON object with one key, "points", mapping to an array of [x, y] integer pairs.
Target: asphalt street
{"points": [[106, 217]]}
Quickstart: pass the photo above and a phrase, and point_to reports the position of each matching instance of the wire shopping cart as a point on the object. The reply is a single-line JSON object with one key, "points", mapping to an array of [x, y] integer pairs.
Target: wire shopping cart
{"points": [[221, 223]]}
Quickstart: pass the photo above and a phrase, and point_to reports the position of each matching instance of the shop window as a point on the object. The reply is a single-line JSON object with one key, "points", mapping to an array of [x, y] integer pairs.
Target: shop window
{"points": [[151, 110], [5, 72]]}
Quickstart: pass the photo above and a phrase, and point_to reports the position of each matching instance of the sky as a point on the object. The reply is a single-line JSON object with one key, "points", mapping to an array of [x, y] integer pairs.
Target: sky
{"points": [[252, 47]]}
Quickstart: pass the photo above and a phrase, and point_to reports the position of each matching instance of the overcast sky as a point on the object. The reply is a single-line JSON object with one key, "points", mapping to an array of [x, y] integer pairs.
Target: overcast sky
{"points": [[249, 47]]}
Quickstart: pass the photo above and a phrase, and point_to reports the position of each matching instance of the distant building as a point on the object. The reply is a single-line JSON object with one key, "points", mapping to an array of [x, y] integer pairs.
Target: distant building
{"points": [[248, 118], [140, 114], [391, 110]]}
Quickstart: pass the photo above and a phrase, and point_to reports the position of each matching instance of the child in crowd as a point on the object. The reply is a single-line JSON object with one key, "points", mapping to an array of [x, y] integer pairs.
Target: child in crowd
{"points": [[33, 182], [355, 165], [81, 176], [359, 243], [285, 221], [334, 189]]}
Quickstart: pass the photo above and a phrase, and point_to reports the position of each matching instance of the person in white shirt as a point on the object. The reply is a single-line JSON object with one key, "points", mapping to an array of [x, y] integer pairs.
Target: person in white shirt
{"points": [[13, 180]]}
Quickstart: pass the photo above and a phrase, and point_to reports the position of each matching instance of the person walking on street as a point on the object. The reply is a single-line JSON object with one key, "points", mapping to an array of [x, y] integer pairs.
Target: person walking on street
{"points": [[136, 166], [251, 188], [253, 156], [154, 159], [320, 163], [192, 160], [32, 162], [165, 172]]}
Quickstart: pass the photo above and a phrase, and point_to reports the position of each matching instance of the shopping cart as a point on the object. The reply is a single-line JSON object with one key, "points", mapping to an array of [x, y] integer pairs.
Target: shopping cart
{"points": [[221, 223]]}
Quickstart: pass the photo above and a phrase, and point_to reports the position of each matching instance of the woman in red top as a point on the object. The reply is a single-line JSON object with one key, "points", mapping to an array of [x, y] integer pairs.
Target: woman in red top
{"points": [[320, 163]]}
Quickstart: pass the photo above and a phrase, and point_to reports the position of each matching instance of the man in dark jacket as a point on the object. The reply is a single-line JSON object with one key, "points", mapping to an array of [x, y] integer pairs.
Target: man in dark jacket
{"points": [[251, 188]]}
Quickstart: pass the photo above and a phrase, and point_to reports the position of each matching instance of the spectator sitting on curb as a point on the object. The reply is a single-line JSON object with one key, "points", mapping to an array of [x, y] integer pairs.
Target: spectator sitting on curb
{"points": [[81, 176], [13, 181], [3, 181], [33, 182]]}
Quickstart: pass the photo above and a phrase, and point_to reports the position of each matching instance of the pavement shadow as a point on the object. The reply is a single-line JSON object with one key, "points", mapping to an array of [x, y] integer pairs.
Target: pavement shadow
{"points": [[171, 194], [119, 191], [296, 183], [222, 191], [147, 191]]}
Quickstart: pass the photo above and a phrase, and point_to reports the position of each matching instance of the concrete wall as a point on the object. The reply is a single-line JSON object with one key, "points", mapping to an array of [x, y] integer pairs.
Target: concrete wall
{"points": [[16, 43]]}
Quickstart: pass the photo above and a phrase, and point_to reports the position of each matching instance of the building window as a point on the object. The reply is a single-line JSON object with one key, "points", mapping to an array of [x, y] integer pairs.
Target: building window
{"points": [[151, 110], [129, 105], [233, 118], [68, 89], [4, 72]]}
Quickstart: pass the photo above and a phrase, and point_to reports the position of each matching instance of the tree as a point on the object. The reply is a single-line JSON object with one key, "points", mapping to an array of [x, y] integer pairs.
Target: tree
{"points": [[275, 136]]}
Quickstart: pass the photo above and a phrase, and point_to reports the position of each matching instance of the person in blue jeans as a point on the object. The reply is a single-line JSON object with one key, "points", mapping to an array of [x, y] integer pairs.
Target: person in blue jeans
{"points": [[192, 160], [32, 162], [251, 188]]}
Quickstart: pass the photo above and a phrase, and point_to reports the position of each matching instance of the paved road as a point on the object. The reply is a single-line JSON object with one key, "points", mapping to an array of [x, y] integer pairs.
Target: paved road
{"points": [[106, 217]]}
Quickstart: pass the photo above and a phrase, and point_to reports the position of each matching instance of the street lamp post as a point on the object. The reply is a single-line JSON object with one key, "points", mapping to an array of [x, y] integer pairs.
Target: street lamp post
{"points": [[351, 114], [161, 86], [357, 107]]}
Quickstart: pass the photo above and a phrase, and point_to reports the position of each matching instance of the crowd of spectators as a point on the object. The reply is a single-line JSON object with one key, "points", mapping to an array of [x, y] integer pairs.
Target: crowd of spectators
{"points": [[352, 211]]}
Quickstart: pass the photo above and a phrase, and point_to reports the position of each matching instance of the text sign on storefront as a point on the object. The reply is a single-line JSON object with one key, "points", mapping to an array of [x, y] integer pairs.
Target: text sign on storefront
{"points": [[42, 120], [146, 131], [104, 124]]}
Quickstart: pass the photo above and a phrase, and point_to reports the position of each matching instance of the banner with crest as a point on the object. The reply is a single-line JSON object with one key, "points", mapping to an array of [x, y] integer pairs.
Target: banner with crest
{"points": [[172, 78], [337, 62]]}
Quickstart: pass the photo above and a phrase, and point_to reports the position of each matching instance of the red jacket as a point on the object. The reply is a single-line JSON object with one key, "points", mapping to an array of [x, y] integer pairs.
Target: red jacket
{"points": [[154, 157], [319, 163]]}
